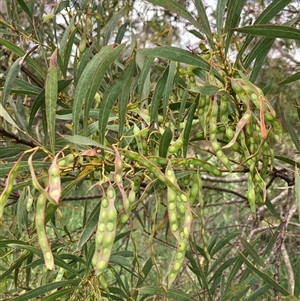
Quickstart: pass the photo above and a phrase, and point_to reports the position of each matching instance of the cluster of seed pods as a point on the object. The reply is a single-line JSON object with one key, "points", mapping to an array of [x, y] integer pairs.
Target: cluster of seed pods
{"points": [[253, 133]]}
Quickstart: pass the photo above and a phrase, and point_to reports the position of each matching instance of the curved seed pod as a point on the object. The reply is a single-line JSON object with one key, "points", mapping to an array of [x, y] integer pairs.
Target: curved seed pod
{"points": [[36, 183], [194, 189], [118, 176], [203, 112], [180, 219], [29, 200], [9, 184], [197, 163], [212, 135], [153, 168], [224, 110], [67, 160], [276, 126], [54, 188], [176, 145], [41, 231], [239, 127], [106, 231], [200, 136], [244, 147], [158, 160]]}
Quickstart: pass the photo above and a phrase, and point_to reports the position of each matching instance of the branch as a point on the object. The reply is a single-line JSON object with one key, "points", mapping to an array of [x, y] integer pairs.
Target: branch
{"points": [[4, 133]]}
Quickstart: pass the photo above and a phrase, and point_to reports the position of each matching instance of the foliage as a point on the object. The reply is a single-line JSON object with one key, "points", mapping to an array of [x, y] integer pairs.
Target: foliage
{"points": [[119, 161]]}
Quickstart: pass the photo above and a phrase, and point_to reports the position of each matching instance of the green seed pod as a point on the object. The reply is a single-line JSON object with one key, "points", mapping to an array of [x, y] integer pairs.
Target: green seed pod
{"points": [[66, 161], [106, 230], [176, 145], [224, 110], [237, 85], [41, 232], [82, 43]]}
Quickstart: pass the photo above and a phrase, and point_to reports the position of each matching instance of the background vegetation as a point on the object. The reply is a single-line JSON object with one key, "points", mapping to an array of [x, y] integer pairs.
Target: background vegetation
{"points": [[148, 152]]}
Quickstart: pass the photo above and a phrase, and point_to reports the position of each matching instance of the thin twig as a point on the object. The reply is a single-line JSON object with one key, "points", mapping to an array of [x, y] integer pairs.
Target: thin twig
{"points": [[4, 133]]}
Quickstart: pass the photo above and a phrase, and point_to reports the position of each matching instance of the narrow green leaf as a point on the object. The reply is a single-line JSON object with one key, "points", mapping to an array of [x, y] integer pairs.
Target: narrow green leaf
{"points": [[251, 251], [175, 7], [41, 290], [234, 9], [297, 274], [68, 50], [223, 242], [172, 294], [157, 95], [6, 116], [89, 227], [164, 143], [197, 34], [26, 10], [112, 24], [264, 276], [297, 191], [266, 89], [144, 79], [205, 89], [258, 293], [40, 99], [220, 13], [18, 51], [111, 94], [188, 125], [290, 79], [81, 140], [11, 76], [290, 298], [22, 213], [292, 133], [89, 83], [169, 86], [287, 160], [59, 294], [24, 87], [180, 55], [272, 241], [18, 110], [270, 12], [255, 51], [16, 265], [64, 40], [57, 259], [125, 93], [228, 263], [121, 32], [51, 99], [236, 291], [146, 270], [271, 31], [202, 17], [221, 257], [84, 60], [61, 6]]}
